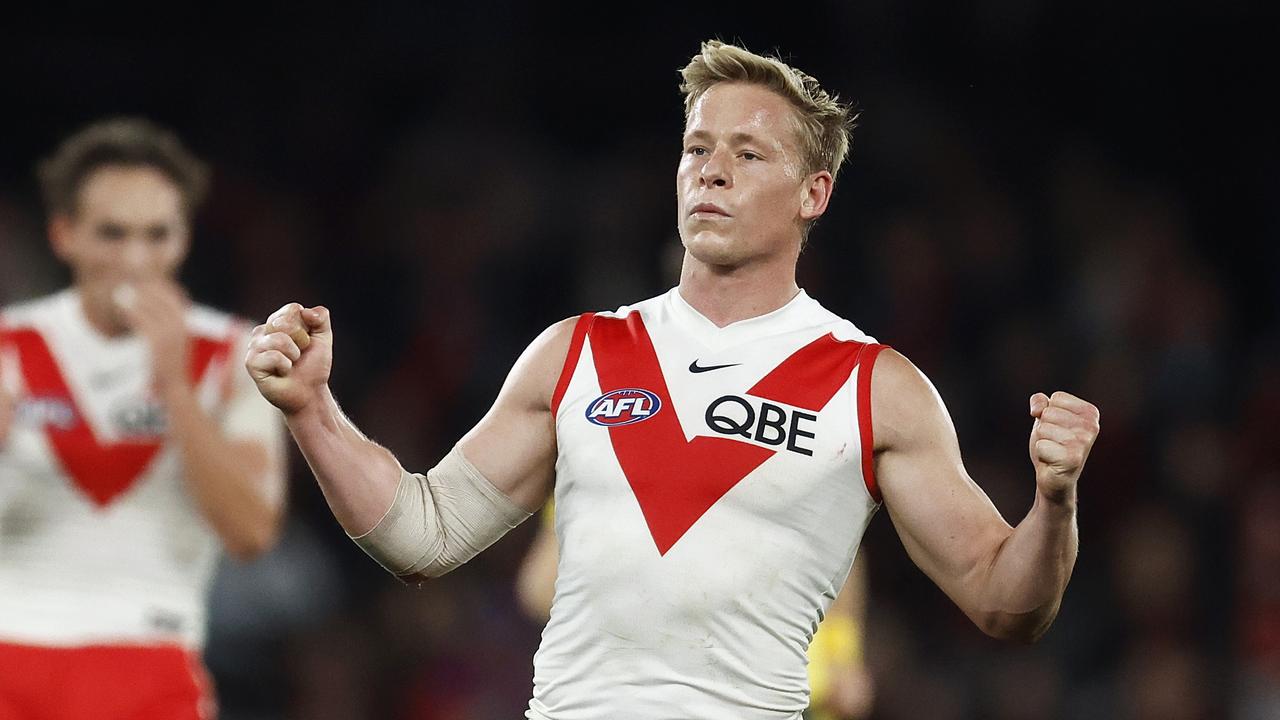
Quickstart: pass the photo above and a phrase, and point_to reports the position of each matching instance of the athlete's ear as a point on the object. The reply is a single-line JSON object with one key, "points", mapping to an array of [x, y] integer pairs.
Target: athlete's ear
{"points": [[61, 239], [817, 193]]}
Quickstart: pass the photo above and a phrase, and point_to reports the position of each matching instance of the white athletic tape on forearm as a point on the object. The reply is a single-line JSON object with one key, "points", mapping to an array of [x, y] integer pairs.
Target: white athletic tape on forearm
{"points": [[440, 521]]}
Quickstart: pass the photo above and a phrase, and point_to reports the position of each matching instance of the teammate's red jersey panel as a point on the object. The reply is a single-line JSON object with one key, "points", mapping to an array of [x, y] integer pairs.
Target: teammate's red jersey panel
{"points": [[710, 499]]}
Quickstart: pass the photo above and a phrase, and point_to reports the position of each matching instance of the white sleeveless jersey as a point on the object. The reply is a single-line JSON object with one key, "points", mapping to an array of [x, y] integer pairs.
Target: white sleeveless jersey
{"points": [[100, 541], [712, 487]]}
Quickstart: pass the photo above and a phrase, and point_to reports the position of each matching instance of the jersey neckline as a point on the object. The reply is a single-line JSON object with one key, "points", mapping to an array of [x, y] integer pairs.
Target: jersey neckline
{"points": [[702, 326]]}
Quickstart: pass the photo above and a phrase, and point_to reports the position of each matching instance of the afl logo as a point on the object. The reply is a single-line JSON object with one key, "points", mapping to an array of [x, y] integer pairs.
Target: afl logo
{"points": [[623, 407]]}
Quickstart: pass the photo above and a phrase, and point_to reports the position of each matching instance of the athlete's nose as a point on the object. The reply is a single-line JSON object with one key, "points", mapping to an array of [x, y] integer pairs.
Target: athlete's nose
{"points": [[136, 256], [715, 171]]}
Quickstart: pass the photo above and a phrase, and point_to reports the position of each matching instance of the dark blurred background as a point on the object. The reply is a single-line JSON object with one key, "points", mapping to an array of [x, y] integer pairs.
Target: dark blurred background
{"points": [[1041, 195]]}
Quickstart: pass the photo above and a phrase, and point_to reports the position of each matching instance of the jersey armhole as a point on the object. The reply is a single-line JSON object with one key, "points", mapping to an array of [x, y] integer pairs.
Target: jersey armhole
{"points": [[580, 329], [866, 435]]}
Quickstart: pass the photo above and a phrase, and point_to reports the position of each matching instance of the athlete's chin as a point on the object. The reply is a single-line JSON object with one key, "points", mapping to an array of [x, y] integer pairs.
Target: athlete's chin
{"points": [[712, 248]]}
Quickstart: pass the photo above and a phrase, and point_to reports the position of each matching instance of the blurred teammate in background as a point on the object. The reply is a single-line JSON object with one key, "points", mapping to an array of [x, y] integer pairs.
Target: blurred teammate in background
{"points": [[716, 452], [132, 449], [841, 687]]}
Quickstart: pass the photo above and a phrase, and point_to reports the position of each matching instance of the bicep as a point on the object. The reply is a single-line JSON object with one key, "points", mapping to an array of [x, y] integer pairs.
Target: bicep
{"points": [[946, 522], [514, 444]]}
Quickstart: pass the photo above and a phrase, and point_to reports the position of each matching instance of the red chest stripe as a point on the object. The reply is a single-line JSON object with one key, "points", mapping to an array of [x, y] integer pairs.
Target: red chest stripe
{"points": [[676, 480], [102, 470]]}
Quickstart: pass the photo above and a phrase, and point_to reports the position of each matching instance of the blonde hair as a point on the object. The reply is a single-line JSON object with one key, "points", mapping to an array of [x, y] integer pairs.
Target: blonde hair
{"points": [[823, 122]]}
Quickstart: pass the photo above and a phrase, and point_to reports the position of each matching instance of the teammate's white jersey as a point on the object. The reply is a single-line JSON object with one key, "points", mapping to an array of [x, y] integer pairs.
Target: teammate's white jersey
{"points": [[712, 487], [100, 541]]}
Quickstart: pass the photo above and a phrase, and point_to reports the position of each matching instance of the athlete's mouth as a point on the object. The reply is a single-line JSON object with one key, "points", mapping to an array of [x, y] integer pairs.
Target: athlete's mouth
{"points": [[708, 209]]}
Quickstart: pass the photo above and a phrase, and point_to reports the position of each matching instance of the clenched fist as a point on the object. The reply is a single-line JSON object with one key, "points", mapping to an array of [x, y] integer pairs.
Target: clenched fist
{"points": [[1063, 433], [290, 356]]}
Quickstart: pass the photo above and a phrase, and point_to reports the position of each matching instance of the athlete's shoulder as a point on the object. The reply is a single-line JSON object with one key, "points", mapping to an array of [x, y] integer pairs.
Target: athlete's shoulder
{"points": [[906, 407], [648, 307], [35, 311], [537, 371]]}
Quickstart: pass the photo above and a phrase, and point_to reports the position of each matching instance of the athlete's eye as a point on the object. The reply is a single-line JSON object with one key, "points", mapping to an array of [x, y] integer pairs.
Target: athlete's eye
{"points": [[697, 150], [111, 231], [748, 155]]}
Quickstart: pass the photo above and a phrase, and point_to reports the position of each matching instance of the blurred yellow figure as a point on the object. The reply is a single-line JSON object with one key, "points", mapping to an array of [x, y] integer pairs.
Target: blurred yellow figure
{"points": [[840, 686]]}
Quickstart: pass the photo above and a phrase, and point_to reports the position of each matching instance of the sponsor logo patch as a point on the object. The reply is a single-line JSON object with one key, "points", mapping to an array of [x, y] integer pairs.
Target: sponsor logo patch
{"points": [[623, 407]]}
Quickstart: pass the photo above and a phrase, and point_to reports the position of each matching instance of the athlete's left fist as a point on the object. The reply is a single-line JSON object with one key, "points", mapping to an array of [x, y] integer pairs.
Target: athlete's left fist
{"points": [[1064, 431]]}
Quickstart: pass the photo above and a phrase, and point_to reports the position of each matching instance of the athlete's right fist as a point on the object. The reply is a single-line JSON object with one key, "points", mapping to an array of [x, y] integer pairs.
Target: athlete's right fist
{"points": [[290, 356]]}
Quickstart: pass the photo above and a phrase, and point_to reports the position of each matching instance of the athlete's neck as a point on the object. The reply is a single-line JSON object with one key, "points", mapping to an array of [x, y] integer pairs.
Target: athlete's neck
{"points": [[728, 295]]}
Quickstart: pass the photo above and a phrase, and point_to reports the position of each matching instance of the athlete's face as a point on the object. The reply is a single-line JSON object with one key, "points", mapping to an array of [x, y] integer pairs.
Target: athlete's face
{"points": [[128, 227], [741, 189]]}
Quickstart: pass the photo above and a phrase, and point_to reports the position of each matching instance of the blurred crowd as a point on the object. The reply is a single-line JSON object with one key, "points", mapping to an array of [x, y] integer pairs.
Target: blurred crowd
{"points": [[446, 231]]}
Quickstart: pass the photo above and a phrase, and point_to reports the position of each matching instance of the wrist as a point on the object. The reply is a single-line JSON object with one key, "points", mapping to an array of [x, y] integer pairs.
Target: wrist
{"points": [[320, 411], [1062, 499]]}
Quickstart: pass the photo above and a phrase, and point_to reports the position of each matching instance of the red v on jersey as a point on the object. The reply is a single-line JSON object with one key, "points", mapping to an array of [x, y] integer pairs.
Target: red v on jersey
{"points": [[676, 480], [102, 471]]}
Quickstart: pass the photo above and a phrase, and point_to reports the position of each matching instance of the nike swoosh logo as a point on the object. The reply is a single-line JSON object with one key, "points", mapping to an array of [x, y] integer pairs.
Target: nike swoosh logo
{"points": [[694, 367]]}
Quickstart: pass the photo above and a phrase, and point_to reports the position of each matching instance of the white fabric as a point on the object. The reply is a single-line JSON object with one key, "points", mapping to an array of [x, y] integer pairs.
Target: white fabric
{"points": [[719, 626], [136, 570]]}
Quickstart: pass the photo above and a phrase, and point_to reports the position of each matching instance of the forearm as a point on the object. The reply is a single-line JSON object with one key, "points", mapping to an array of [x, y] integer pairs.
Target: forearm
{"points": [[357, 476], [1028, 574], [227, 478]]}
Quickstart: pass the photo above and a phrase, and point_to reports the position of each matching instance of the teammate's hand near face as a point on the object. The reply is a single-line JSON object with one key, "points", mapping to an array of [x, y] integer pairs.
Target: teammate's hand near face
{"points": [[157, 310], [290, 356], [1064, 432]]}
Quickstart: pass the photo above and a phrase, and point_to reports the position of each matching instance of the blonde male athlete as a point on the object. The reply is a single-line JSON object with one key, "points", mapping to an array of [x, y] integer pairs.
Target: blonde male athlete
{"points": [[716, 451], [133, 450]]}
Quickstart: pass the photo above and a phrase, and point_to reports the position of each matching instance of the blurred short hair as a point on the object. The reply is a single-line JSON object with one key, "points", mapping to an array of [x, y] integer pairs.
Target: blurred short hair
{"points": [[824, 122], [119, 142]]}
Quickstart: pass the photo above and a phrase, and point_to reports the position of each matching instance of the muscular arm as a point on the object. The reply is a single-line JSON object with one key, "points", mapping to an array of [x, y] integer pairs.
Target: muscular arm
{"points": [[513, 446], [1008, 580]]}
